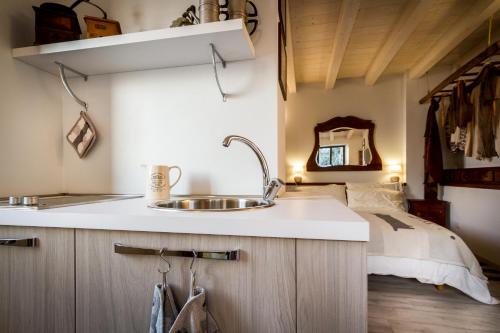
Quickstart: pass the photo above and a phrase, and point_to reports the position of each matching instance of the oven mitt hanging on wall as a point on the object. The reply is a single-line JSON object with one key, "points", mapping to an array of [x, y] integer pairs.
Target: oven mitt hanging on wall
{"points": [[82, 135]]}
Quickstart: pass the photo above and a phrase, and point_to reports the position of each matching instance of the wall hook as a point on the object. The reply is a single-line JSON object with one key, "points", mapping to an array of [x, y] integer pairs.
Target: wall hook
{"points": [[62, 75], [214, 64]]}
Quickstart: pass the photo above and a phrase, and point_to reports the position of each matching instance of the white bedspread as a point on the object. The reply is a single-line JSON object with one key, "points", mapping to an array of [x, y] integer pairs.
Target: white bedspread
{"points": [[428, 252]]}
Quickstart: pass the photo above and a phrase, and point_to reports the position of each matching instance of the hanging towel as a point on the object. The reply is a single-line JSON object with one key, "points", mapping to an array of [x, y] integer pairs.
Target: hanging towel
{"points": [[194, 317], [433, 161], [82, 135], [164, 310]]}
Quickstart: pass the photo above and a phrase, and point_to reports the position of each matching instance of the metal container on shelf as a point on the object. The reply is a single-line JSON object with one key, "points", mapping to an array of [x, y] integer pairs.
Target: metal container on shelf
{"points": [[237, 9], [56, 23], [210, 11], [101, 27]]}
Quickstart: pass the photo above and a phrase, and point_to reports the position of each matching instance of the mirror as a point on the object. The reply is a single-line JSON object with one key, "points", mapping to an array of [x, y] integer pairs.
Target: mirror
{"points": [[344, 144]]}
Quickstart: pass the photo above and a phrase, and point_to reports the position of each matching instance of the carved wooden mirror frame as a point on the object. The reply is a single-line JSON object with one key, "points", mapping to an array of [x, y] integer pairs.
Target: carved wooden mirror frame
{"points": [[351, 122]]}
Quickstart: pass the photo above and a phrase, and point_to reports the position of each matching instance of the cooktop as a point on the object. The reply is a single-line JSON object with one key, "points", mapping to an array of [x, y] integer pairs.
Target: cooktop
{"points": [[59, 200]]}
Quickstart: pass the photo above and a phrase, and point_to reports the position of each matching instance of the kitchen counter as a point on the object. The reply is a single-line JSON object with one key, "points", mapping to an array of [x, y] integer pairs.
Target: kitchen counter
{"points": [[305, 218], [302, 256]]}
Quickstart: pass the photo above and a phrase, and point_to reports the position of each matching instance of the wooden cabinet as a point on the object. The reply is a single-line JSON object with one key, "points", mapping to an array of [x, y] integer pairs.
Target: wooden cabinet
{"points": [[254, 294], [74, 282], [436, 211], [37, 284]]}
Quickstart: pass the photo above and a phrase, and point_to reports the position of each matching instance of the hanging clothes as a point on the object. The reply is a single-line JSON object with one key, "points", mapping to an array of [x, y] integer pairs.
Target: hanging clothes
{"points": [[465, 109], [450, 121], [444, 104], [472, 147], [458, 118], [433, 161], [487, 117]]}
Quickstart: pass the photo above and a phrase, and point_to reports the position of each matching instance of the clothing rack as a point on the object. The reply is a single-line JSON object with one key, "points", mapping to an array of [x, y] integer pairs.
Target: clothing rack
{"points": [[217, 255], [463, 72]]}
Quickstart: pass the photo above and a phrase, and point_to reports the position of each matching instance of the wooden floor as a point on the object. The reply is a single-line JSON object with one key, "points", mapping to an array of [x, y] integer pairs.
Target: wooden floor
{"points": [[405, 305]]}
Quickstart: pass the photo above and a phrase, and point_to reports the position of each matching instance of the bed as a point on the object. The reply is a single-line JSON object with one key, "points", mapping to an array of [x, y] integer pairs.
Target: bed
{"points": [[407, 246]]}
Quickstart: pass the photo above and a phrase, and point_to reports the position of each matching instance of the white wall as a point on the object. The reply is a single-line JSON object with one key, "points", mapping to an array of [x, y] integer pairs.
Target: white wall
{"points": [[474, 216], [382, 103], [176, 116], [30, 111]]}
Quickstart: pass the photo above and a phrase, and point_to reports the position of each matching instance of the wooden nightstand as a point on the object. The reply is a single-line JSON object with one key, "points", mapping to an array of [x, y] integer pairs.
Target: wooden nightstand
{"points": [[437, 211]]}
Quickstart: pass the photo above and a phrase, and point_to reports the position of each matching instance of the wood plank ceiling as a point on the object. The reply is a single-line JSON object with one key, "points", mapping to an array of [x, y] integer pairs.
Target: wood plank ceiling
{"points": [[388, 36]]}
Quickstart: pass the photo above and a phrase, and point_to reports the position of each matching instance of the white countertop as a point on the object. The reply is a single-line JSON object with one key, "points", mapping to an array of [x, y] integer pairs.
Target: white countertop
{"points": [[306, 218]]}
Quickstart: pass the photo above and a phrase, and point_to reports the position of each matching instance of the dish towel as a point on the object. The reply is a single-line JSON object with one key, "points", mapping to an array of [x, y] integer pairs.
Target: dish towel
{"points": [[194, 317], [164, 310]]}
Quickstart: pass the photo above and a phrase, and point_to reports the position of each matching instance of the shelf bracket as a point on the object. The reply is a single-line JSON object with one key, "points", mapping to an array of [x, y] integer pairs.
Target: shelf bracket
{"points": [[62, 75], [214, 63]]}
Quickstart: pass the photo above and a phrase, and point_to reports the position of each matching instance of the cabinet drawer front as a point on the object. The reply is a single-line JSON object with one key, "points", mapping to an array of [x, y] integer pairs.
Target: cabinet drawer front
{"points": [[436, 217], [37, 283], [332, 287], [254, 294]]}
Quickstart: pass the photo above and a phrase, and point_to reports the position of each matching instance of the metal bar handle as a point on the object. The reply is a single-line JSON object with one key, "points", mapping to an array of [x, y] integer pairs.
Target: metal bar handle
{"points": [[62, 75], [214, 64], [19, 242], [217, 255]]}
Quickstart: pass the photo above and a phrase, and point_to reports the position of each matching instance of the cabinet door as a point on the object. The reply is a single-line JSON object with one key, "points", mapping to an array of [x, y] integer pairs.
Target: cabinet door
{"points": [[332, 288], [37, 283], [114, 291]]}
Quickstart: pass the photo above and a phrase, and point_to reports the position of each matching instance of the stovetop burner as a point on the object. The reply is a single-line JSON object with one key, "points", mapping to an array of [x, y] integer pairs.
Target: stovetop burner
{"points": [[59, 200]]}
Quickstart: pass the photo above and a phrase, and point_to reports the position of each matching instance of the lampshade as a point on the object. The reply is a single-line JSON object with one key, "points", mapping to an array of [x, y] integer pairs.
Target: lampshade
{"points": [[395, 167], [298, 169]]}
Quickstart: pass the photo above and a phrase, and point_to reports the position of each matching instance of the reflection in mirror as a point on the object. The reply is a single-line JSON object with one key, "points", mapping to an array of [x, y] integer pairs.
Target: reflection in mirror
{"points": [[343, 146]]}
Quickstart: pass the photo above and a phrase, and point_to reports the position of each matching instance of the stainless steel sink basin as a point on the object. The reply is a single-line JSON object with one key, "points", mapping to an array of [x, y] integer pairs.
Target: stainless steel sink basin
{"points": [[217, 204]]}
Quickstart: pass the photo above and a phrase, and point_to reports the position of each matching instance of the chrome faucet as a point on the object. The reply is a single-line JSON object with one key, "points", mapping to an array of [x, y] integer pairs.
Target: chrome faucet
{"points": [[270, 186]]}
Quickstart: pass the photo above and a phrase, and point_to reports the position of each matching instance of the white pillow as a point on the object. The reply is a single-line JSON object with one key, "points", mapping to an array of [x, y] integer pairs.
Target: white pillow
{"points": [[333, 190], [375, 198], [365, 186]]}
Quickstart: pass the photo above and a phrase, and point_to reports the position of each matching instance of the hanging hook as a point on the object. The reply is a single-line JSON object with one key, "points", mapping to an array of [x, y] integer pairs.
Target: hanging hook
{"points": [[163, 252], [62, 75], [192, 285], [195, 255], [164, 273]]}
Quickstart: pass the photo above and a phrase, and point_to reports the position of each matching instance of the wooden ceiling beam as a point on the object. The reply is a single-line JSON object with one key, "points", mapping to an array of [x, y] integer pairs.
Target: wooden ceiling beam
{"points": [[411, 16], [348, 11], [474, 17]]}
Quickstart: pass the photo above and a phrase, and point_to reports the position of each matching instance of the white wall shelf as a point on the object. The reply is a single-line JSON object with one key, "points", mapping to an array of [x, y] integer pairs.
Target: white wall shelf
{"points": [[154, 49]]}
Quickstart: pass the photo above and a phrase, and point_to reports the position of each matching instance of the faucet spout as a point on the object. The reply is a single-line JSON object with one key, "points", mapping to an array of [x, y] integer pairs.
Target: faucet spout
{"points": [[267, 192]]}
